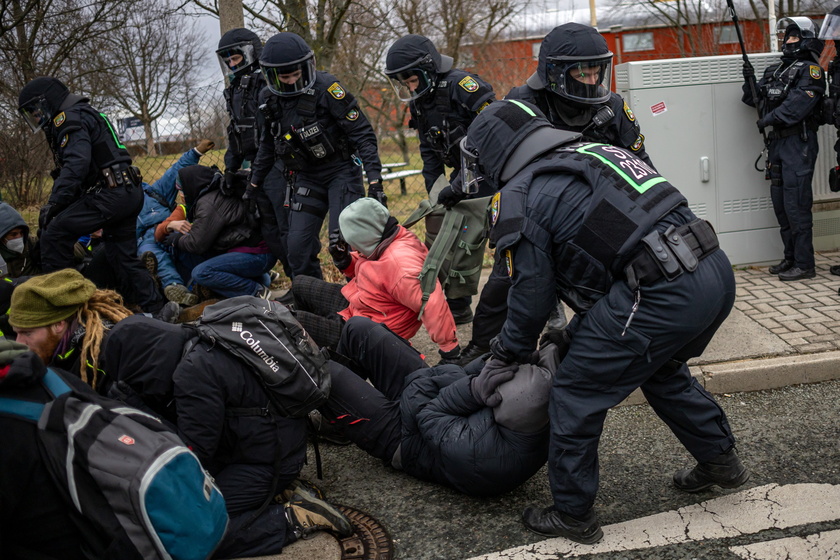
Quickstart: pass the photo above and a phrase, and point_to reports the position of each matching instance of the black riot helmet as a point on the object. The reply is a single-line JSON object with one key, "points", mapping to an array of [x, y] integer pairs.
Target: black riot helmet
{"points": [[413, 65], [575, 64], [288, 64], [808, 47], [239, 52], [40, 101], [830, 29], [503, 139]]}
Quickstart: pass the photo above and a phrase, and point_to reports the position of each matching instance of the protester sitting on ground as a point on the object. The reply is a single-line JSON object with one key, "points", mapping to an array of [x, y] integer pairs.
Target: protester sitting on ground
{"points": [[480, 434], [35, 519], [222, 413], [158, 204], [215, 240], [65, 319], [383, 270]]}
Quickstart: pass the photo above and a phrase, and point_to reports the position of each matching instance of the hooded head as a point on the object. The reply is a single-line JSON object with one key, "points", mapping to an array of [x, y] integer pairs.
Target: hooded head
{"points": [[288, 64], [798, 36], [195, 180], [362, 225], [413, 64], [239, 52], [10, 222], [504, 138]]}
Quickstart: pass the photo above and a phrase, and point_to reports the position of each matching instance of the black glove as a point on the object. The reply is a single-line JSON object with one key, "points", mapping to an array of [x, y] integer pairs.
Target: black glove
{"points": [[560, 337], [450, 357], [250, 198], [339, 251], [484, 385], [749, 72], [450, 198], [48, 212], [171, 240], [762, 123], [375, 191]]}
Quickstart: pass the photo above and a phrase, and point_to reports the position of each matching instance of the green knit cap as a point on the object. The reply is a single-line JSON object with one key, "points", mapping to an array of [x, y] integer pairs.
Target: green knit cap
{"points": [[44, 300]]}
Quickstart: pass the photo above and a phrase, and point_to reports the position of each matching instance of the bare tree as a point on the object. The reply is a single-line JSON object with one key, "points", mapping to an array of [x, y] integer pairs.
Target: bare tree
{"points": [[153, 56]]}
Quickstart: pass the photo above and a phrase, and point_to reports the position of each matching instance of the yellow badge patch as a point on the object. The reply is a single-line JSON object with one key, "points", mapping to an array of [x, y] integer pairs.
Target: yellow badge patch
{"points": [[809, 93], [629, 112], [815, 72], [336, 91], [65, 139], [483, 106], [59, 119], [494, 208], [352, 115], [509, 262], [638, 143], [469, 84]]}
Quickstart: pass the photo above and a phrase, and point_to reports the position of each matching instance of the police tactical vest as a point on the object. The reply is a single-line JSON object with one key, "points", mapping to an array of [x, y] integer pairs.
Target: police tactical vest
{"points": [[628, 199], [106, 148], [241, 102]]}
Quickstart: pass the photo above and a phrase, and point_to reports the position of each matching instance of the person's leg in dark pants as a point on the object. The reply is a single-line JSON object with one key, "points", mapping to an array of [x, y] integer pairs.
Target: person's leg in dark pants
{"points": [[274, 215], [317, 304], [308, 210], [798, 160]]}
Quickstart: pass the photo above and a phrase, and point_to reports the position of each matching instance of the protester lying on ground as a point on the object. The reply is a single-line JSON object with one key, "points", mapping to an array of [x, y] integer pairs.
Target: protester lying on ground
{"points": [[482, 435], [222, 413], [215, 241], [158, 204], [382, 261]]}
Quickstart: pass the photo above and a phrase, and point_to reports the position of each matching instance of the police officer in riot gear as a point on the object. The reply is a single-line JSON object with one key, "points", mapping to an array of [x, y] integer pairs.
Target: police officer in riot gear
{"points": [[790, 94], [645, 277], [239, 51], [95, 186], [830, 31], [316, 128]]}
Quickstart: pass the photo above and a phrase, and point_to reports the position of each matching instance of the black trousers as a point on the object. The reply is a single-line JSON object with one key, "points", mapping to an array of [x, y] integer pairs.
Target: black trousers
{"points": [[317, 305], [274, 215], [115, 212]]}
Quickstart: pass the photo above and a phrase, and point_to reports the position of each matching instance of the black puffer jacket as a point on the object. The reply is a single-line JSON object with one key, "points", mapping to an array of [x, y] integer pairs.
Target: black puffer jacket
{"points": [[219, 222], [451, 438]]}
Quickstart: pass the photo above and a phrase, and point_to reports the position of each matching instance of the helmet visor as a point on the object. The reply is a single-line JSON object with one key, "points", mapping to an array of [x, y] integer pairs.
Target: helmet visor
{"points": [[471, 175], [36, 113], [411, 84], [290, 79], [582, 80], [831, 27], [236, 58]]}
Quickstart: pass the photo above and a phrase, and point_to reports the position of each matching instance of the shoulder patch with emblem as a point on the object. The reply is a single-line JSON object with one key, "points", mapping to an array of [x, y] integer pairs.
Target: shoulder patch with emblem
{"points": [[815, 71], [809, 93], [336, 91], [59, 119], [352, 115], [509, 262], [483, 106], [494, 208], [629, 112], [65, 139], [638, 143], [469, 84]]}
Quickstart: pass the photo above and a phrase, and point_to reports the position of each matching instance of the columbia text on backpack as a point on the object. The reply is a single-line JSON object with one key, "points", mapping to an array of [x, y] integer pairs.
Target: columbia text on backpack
{"points": [[268, 338], [140, 492]]}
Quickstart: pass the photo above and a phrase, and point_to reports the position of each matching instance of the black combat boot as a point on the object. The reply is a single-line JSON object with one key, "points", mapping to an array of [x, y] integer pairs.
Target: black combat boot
{"points": [[796, 273], [552, 523], [783, 266], [471, 352], [725, 470], [307, 514]]}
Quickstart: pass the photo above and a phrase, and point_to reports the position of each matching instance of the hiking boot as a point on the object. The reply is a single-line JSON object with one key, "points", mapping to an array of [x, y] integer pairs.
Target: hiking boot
{"points": [[783, 266], [298, 487], [325, 430], [180, 295], [168, 313], [552, 523], [264, 292], [835, 270], [725, 470], [463, 316], [797, 273], [307, 514], [471, 352]]}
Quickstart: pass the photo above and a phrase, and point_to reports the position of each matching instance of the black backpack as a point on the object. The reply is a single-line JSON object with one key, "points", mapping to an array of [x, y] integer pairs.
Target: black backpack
{"points": [[267, 337]]}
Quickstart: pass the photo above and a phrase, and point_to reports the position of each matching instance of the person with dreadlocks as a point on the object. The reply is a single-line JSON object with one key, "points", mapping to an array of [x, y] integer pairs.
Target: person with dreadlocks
{"points": [[64, 319]]}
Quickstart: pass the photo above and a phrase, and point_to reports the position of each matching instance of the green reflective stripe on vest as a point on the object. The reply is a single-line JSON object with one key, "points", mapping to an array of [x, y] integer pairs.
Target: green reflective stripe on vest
{"points": [[114, 134], [641, 188]]}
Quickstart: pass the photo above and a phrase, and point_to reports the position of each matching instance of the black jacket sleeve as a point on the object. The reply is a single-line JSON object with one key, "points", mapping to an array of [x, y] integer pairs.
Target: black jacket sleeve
{"points": [[344, 108]]}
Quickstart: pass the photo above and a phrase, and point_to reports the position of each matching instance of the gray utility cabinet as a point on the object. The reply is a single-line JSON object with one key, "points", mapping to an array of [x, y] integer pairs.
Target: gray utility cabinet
{"points": [[704, 140]]}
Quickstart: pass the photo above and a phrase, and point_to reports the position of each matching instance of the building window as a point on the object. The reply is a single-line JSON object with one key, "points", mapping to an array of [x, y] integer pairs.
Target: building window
{"points": [[535, 50], [727, 35], [631, 42]]}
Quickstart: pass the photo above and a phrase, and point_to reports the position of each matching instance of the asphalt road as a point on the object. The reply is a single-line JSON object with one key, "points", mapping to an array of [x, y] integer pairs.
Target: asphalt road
{"points": [[789, 436]]}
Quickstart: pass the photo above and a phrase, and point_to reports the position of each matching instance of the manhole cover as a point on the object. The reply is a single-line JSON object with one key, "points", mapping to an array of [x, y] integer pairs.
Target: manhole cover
{"points": [[370, 541]]}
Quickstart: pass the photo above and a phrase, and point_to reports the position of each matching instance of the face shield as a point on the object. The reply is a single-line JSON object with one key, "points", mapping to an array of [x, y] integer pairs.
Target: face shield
{"points": [[236, 58], [585, 80], [290, 79], [830, 29], [36, 113], [412, 83], [471, 175]]}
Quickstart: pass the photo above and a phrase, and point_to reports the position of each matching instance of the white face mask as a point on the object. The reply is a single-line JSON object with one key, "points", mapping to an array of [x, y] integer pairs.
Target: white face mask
{"points": [[15, 245]]}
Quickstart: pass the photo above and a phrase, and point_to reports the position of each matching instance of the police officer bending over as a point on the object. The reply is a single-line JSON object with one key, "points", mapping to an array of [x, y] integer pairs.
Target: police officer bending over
{"points": [[319, 132], [644, 275], [95, 186], [789, 93]]}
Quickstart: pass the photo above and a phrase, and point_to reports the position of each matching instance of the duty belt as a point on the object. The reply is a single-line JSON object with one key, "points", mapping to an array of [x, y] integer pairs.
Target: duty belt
{"points": [[119, 175], [670, 253]]}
